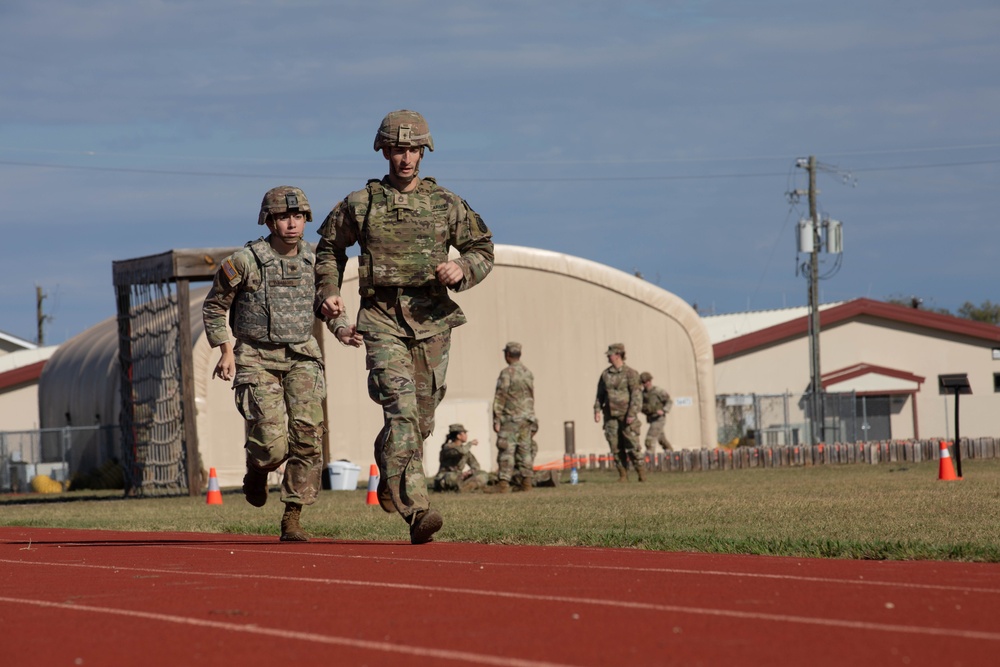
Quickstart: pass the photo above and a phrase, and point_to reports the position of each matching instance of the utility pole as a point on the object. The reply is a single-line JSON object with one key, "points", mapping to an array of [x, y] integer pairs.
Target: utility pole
{"points": [[815, 374], [815, 236], [39, 315]]}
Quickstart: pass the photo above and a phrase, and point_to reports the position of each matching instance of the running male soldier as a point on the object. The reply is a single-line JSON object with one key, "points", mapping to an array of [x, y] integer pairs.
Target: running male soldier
{"points": [[656, 403], [619, 398], [513, 415], [405, 225], [276, 365], [456, 455]]}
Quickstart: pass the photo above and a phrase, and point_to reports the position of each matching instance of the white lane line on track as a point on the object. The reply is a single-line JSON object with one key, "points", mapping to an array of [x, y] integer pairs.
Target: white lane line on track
{"points": [[597, 602], [386, 647], [614, 568]]}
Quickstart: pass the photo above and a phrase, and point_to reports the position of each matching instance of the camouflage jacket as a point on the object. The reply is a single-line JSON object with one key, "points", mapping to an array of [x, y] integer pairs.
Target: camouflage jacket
{"points": [[619, 393], [455, 456], [239, 272], [653, 400], [515, 394], [403, 236]]}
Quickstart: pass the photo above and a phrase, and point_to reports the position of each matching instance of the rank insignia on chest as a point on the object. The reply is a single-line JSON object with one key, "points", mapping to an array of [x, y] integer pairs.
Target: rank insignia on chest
{"points": [[232, 275], [291, 271]]}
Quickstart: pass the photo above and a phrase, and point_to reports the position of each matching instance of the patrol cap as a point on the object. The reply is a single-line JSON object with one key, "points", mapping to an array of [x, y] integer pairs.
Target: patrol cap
{"points": [[512, 347], [282, 199], [456, 428], [615, 348], [403, 128], [645, 377]]}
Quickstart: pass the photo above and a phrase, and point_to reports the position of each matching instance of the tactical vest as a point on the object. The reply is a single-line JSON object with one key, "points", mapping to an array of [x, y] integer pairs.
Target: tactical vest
{"points": [[403, 236], [280, 309]]}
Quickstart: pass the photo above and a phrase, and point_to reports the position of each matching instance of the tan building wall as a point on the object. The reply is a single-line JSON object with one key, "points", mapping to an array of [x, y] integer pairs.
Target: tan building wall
{"points": [[783, 366], [19, 408]]}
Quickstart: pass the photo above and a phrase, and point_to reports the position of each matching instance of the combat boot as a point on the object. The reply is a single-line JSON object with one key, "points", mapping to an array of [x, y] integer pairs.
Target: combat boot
{"points": [[503, 486], [622, 474], [642, 473], [469, 485], [291, 531], [526, 484], [423, 525], [384, 495], [255, 485]]}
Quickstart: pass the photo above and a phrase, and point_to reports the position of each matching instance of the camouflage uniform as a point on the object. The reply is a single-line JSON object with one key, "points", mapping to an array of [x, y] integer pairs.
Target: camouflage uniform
{"points": [[279, 369], [619, 399], [513, 416], [453, 459], [654, 400], [406, 314]]}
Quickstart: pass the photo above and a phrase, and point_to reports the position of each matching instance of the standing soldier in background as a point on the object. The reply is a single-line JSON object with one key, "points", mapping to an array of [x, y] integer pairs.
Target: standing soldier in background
{"points": [[405, 225], [456, 455], [513, 416], [619, 399], [656, 403], [276, 365]]}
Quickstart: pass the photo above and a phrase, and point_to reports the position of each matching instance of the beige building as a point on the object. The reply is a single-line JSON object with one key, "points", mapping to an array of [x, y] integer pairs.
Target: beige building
{"points": [[19, 373], [564, 310], [890, 356]]}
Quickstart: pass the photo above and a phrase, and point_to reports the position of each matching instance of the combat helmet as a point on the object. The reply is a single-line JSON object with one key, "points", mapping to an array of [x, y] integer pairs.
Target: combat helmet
{"points": [[403, 128], [645, 377], [281, 199]]}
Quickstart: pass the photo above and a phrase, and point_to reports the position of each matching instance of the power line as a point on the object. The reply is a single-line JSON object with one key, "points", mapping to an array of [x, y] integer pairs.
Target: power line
{"points": [[534, 179]]}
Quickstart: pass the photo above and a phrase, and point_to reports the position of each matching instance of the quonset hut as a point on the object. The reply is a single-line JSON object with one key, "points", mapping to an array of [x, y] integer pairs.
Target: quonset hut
{"points": [[564, 310]]}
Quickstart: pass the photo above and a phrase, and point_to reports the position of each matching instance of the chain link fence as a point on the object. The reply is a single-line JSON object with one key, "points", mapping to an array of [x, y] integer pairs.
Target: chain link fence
{"points": [[62, 454], [777, 420]]}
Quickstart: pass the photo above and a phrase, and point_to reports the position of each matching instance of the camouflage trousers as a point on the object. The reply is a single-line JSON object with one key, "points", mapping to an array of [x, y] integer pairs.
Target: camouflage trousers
{"points": [[623, 439], [655, 435], [452, 480], [284, 424], [406, 377], [514, 451]]}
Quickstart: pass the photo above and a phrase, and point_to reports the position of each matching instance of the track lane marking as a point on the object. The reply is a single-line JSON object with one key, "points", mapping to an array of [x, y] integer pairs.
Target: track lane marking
{"points": [[621, 568], [599, 602], [386, 647]]}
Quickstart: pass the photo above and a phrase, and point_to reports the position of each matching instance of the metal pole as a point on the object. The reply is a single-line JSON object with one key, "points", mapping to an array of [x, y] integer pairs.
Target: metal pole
{"points": [[814, 367], [569, 436], [958, 440]]}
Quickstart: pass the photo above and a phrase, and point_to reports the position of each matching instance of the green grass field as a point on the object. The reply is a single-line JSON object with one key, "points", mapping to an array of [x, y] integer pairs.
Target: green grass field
{"points": [[889, 511]]}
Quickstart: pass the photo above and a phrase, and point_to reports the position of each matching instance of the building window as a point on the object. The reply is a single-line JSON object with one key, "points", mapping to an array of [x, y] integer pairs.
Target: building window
{"points": [[996, 353], [996, 382]]}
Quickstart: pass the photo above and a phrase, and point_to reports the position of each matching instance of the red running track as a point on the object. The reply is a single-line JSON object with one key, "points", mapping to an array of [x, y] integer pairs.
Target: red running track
{"points": [[76, 597]]}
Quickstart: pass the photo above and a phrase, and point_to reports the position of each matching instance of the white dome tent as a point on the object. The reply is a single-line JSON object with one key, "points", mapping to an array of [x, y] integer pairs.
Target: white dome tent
{"points": [[564, 310]]}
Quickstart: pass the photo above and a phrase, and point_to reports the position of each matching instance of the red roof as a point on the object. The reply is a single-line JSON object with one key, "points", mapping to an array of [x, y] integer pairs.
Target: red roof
{"points": [[853, 310], [857, 370], [22, 375]]}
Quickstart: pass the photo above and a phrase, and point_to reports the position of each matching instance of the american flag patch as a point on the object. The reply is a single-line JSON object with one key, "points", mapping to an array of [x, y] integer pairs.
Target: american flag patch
{"points": [[231, 273]]}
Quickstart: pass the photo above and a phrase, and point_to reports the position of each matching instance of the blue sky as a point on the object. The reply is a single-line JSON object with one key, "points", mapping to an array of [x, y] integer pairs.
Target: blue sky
{"points": [[658, 137]]}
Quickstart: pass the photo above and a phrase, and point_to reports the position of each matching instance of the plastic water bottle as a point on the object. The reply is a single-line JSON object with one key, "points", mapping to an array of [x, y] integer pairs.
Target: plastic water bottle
{"points": [[574, 476]]}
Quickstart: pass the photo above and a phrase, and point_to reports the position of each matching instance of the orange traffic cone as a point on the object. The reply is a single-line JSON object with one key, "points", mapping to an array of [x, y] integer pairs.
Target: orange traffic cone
{"points": [[214, 494], [372, 485], [946, 471]]}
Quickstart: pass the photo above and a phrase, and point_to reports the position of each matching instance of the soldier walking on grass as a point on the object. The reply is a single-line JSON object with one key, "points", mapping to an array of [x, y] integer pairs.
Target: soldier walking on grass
{"points": [[656, 403], [405, 225], [619, 399], [267, 289], [513, 417]]}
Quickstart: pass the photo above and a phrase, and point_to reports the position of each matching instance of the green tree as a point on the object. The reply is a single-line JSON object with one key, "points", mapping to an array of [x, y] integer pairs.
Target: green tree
{"points": [[987, 311]]}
